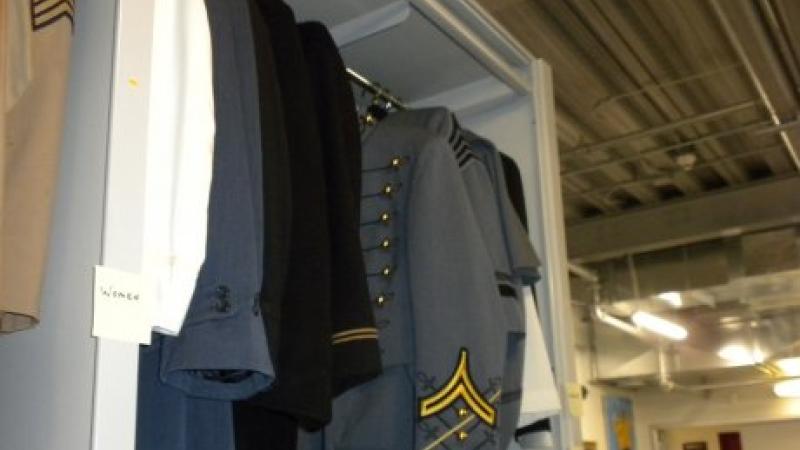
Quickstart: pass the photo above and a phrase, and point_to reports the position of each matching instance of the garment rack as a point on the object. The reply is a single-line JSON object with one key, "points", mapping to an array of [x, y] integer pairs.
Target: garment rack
{"points": [[375, 89]]}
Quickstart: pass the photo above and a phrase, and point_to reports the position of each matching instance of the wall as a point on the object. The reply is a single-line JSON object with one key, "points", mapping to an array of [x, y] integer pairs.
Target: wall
{"points": [[779, 435], [654, 409], [771, 436], [593, 417], [46, 374], [717, 408], [674, 439]]}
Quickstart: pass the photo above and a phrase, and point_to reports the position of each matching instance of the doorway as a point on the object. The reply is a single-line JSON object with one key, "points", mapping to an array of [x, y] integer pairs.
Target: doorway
{"points": [[730, 441]]}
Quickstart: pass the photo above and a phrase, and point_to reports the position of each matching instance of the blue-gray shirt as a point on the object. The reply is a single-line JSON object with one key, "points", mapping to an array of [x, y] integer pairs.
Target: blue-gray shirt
{"points": [[187, 382]]}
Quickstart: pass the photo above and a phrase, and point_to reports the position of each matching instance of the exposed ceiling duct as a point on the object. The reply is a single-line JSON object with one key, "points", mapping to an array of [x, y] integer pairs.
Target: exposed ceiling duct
{"points": [[738, 299]]}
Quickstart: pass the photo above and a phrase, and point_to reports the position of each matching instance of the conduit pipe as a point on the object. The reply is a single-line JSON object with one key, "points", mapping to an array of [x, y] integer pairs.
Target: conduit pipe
{"points": [[704, 117], [791, 151]]}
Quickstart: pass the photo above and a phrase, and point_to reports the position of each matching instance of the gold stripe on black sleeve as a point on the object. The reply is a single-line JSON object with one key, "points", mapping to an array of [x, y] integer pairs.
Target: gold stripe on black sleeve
{"points": [[355, 337], [355, 331]]}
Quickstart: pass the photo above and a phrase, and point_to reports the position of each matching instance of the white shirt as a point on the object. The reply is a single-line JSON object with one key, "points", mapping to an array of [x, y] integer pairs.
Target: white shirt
{"points": [[540, 397], [179, 157]]}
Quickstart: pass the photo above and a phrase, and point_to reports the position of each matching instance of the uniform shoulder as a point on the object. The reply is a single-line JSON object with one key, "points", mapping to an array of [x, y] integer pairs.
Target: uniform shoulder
{"points": [[409, 139], [437, 120]]}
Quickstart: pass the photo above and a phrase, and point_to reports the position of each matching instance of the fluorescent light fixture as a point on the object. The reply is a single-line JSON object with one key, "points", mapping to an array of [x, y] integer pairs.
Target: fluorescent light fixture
{"points": [[789, 366], [740, 355], [674, 298], [787, 389], [658, 325]]}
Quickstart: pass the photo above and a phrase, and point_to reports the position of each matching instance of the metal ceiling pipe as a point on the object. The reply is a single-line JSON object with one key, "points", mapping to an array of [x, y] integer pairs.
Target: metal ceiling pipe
{"points": [[756, 127], [662, 85], [704, 117], [664, 377], [583, 272], [730, 32], [775, 129], [655, 178], [779, 35]]}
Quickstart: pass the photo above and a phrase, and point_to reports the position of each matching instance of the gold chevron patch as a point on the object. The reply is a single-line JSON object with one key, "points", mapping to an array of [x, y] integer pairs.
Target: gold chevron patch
{"points": [[460, 386]]}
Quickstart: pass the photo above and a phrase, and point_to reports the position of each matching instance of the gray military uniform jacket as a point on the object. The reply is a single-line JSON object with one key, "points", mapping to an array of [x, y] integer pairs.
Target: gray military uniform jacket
{"points": [[522, 256], [513, 257], [442, 327], [523, 264]]}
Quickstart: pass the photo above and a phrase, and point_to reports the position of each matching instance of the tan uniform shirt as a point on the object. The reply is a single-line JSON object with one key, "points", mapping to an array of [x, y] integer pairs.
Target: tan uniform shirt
{"points": [[35, 52]]}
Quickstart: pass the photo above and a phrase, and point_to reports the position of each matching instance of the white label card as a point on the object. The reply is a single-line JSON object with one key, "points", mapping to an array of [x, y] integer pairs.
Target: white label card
{"points": [[123, 306]]}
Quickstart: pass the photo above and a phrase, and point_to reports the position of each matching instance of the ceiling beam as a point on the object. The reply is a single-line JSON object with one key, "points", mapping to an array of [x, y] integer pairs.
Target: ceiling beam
{"points": [[729, 212], [762, 126], [669, 175], [660, 85]]}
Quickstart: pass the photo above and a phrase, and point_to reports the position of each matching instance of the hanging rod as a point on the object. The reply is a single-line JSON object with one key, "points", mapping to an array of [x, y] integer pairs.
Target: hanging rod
{"points": [[375, 89]]}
